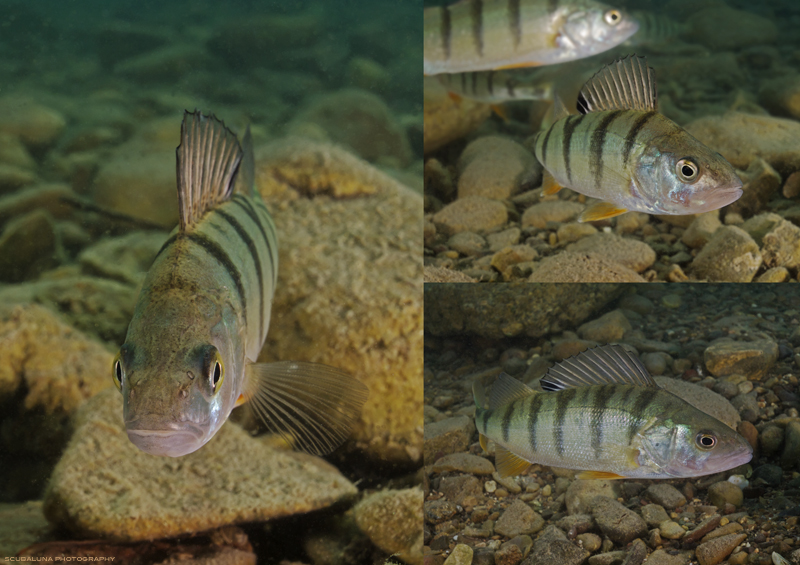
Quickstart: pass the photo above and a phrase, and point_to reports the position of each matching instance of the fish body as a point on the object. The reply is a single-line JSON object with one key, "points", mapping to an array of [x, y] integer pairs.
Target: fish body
{"points": [[603, 414], [656, 29], [479, 35], [495, 87], [203, 314], [620, 150]]}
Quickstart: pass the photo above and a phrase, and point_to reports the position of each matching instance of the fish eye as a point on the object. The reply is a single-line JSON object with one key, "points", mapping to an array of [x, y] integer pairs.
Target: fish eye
{"points": [[612, 17], [216, 373], [117, 373], [687, 170], [705, 440]]}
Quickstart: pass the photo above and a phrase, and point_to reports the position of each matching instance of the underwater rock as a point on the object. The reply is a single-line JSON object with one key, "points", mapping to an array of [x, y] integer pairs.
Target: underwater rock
{"points": [[359, 120], [125, 259], [447, 119], [473, 213], [21, 525], [665, 495], [13, 152], [451, 435], [441, 274], [760, 225], [717, 549], [233, 479], [13, 177], [511, 310], [791, 450], [774, 275], [636, 255], [741, 137], [365, 73], [731, 255], [725, 492], [34, 124], [781, 95], [392, 519], [28, 246], [164, 63], [723, 28], [518, 519], [574, 231], [539, 214], [568, 266], [781, 246], [496, 167], [467, 243], [608, 328], [752, 358], [581, 494], [620, 524], [349, 290], [761, 182], [791, 188]]}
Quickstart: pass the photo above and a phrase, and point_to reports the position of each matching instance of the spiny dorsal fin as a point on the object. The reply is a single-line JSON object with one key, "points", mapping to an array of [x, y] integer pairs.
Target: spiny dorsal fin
{"points": [[245, 178], [208, 159], [507, 389], [625, 84], [602, 365], [312, 406]]}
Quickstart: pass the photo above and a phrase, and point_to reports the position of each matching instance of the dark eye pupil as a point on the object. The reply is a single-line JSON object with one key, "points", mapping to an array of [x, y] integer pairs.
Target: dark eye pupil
{"points": [[707, 441], [687, 171], [217, 373], [118, 370]]}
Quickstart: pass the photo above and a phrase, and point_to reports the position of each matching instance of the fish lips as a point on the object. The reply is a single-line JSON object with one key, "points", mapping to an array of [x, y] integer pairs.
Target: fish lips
{"points": [[171, 440]]}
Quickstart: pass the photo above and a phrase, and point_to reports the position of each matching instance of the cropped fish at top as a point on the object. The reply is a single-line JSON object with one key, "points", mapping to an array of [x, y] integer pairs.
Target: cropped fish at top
{"points": [[203, 314]]}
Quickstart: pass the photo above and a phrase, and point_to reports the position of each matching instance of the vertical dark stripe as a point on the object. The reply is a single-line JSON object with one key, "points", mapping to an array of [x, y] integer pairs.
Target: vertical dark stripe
{"points": [[597, 144], [544, 145], [569, 128], [600, 397], [644, 396], [167, 243], [563, 398], [251, 246], [245, 205], [626, 394], [485, 417], [476, 12], [463, 83], [515, 21], [446, 31], [490, 82], [474, 77], [218, 253], [511, 84], [533, 415], [630, 138], [505, 425]]}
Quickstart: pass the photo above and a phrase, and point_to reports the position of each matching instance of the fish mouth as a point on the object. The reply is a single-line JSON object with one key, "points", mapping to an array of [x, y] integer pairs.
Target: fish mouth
{"points": [[175, 440]]}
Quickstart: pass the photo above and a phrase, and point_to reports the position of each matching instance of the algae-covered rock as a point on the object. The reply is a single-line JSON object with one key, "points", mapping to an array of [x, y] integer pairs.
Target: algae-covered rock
{"points": [[510, 310], [752, 358], [496, 167], [28, 246], [126, 258], [447, 119], [104, 486], [569, 266], [349, 291], [20, 526], [35, 125], [731, 255], [636, 255], [392, 519]]}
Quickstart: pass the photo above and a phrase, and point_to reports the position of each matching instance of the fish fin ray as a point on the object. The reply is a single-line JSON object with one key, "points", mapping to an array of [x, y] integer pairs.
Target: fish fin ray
{"points": [[245, 179], [241, 400], [605, 475], [208, 159], [312, 406], [626, 84], [500, 110], [601, 365], [507, 389], [482, 440], [508, 464], [549, 184], [523, 65], [600, 211]]}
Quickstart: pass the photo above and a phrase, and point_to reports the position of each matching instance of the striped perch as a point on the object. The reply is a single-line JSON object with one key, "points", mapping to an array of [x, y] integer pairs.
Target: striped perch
{"points": [[602, 413], [481, 35], [494, 87], [203, 315], [620, 150]]}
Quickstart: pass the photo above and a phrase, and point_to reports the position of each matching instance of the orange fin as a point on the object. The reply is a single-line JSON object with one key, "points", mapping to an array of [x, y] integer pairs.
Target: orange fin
{"points": [[587, 475], [507, 463], [241, 400], [549, 184], [524, 65], [482, 440], [454, 97], [600, 211], [500, 111]]}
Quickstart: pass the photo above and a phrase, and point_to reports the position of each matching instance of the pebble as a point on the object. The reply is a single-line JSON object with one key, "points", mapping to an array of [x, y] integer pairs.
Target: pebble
{"points": [[608, 557], [620, 524], [504, 259], [608, 328], [702, 229], [655, 363], [589, 542], [474, 213], [496, 167], [702, 529], [539, 215], [791, 450], [580, 494], [725, 529], [661, 557], [518, 519], [582, 267], [654, 514], [505, 238], [730, 256], [451, 435], [723, 493], [791, 188], [752, 359], [34, 124], [559, 551], [770, 439], [665, 495], [29, 245], [637, 303], [760, 225], [781, 246], [490, 486], [670, 530], [513, 551], [467, 243], [574, 231], [508, 483], [447, 120], [391, 518], [456, 489], [636, 553], [461, 555], [636, 255], [714, 551], [761, 182], [464, 463]]}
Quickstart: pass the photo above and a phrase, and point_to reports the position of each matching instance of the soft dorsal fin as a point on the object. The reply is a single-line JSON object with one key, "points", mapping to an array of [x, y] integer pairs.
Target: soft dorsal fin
{"points": [[507, 389], [625, 84], [208, 159], [602, 365]]}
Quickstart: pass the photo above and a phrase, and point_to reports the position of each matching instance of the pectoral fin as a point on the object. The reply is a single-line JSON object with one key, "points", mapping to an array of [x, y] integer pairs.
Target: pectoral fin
{"points": [[600, 211], [549, 184], [523, 65], [507, 463], [587, 475], [500, 110]]}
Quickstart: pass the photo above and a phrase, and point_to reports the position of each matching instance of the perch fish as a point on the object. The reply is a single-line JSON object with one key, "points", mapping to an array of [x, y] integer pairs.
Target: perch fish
{"points": [[620, 150], [482, 35], [604, 414], [203, 315]]}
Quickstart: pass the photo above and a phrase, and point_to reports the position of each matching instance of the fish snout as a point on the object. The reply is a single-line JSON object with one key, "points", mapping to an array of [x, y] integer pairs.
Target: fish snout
{"points": [[170, 439]]}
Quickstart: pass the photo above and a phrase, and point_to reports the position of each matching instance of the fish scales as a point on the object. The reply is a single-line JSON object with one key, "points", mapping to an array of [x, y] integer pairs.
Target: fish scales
{"points": [[495, 87]]}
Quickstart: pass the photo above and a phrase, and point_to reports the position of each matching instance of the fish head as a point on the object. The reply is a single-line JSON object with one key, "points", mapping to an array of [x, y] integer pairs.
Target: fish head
{"points": [[178, 380], [591, 27], [692, 444], [680, 175]]}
